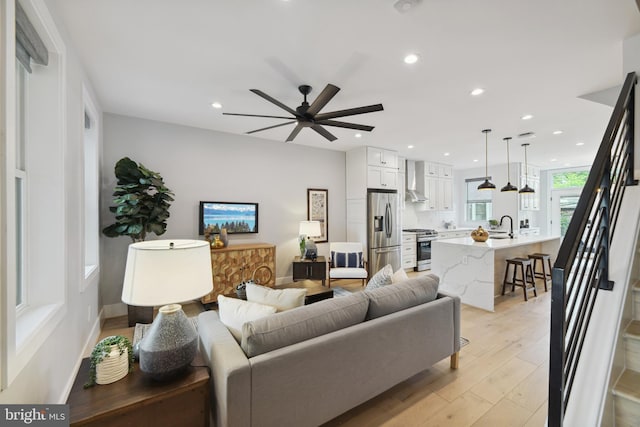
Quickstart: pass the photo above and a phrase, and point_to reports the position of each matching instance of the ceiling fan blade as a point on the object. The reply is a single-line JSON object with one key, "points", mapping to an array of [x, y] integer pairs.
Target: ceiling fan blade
{"points": [[294, 132], [275, 101], [345, 125], [257, 115], [271, 127], [349, 112], [322, 131], [325, 96]]}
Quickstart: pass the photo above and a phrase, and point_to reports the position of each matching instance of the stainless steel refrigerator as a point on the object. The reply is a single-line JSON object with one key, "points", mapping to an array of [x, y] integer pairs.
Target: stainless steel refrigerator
{"points": [[384, 240]]}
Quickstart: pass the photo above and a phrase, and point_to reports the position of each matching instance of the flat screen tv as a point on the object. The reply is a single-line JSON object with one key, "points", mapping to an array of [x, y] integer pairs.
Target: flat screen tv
{"points": [[237, 218]]}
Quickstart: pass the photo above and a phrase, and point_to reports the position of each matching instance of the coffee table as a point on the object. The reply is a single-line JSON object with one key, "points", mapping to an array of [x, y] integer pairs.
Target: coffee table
{"points": [[315, 295]]}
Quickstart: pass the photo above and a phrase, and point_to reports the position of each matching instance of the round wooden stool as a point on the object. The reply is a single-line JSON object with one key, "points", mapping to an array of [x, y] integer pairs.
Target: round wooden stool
{"points": [[526, 280], [545, 275]]}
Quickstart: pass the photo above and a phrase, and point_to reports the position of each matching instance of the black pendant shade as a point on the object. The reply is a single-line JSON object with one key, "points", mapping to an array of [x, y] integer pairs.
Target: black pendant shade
{"points": [[486, 185], [509, 186], [526, 188]]}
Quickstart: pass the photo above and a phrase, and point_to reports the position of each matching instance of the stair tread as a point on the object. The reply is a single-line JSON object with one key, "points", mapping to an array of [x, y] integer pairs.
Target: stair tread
{"points": [[633, 330], [628, 385]]}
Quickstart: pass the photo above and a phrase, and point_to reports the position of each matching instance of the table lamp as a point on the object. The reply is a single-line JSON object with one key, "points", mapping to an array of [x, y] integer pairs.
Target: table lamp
{"points": [[307, 230], [166, 273]]}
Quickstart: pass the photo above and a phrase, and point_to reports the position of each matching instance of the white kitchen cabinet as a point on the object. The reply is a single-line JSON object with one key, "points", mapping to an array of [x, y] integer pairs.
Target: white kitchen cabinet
{"points": [[383, 178], [360, 175], [381, 157], [431, 169], [439, 194], [408, 250], [445, 171], [445, 194]]}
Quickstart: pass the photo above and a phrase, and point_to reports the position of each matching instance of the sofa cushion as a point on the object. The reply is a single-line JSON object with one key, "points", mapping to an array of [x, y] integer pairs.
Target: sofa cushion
{"points": [[381, 278], [235, 312], [281, 299], [412, 292], [303, 323], [399, 276]]}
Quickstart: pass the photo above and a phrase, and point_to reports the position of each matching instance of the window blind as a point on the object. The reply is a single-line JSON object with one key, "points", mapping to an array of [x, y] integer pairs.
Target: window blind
{"points": [[29, 45]]}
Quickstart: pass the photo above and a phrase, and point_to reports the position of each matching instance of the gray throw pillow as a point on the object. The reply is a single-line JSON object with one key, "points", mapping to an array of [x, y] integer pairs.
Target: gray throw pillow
{"points": [[412, 292], [381, 278]]}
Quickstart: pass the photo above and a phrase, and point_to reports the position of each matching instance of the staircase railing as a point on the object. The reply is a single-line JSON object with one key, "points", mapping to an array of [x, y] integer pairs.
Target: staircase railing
{"points": [[582, 265]]}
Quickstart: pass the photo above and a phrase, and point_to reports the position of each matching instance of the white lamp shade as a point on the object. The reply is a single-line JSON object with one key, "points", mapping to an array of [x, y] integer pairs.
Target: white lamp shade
{"points": [[163, 272], [310, 228]]}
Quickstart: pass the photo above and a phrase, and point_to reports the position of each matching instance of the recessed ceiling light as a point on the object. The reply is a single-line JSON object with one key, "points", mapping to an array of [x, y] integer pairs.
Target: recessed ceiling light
{"points": [[567, 164], [527, 117], [477, 91], [409, 147], [412, 58], [475, 160], [579, 143], [358, 135], [447, 154], [216, 105], [554, 160], [557, 132]]}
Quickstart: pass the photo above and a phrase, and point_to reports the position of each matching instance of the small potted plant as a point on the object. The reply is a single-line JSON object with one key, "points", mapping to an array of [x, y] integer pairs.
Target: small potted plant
{"points": [[493, 224], [111, 360]]}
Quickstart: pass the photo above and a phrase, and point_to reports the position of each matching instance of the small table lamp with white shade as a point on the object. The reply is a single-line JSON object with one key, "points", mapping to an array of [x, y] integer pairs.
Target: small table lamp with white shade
{"points": [[307, 230], [165, 273]]}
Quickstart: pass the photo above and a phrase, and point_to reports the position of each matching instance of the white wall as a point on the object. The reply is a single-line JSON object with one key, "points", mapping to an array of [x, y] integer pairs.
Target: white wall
{"points": [[48, 375], [200, 164]]}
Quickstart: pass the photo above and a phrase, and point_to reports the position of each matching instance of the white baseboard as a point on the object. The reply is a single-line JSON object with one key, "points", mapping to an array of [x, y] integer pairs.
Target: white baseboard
{"points": [[88, 346]]}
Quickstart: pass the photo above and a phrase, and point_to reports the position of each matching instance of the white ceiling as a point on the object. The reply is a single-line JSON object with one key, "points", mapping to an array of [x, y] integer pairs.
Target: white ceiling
{"points": [[169, 60]]}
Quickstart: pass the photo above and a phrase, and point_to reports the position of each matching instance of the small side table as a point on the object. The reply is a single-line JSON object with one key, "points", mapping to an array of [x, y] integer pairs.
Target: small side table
{"points": [[306, 269], [137, 400]]}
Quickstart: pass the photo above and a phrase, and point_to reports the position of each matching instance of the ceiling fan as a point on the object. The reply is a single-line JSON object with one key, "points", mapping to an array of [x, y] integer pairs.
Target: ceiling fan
{"points": [[309, 116]]}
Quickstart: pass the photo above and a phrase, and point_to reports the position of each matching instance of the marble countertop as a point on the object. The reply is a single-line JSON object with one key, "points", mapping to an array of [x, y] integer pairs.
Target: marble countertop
{"points": [[496, 243]]}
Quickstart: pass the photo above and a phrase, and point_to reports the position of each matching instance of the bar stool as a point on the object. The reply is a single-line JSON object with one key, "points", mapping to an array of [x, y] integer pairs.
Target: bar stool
{"points": [[545, 275], [526, 281]]}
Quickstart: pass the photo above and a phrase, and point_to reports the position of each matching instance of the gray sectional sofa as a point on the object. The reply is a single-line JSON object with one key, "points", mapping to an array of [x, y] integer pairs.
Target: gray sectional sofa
{"points": [[305, 366]]}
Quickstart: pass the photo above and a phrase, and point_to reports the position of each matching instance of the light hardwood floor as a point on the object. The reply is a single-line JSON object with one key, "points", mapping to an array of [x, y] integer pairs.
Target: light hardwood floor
{"points": [[502, 379]]}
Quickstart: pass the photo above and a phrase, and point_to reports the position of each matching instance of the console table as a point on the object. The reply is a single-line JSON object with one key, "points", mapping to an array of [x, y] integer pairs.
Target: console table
{"points": [[235, 263], [137, 400]]}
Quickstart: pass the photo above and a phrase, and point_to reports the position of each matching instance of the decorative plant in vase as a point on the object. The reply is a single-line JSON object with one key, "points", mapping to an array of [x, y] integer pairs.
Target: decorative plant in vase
{"points": [[116, 350], [141, 201]]}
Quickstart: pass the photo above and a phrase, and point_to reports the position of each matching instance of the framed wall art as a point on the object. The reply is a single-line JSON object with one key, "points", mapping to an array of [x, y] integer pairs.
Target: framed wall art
{"points": [[318, 210]]}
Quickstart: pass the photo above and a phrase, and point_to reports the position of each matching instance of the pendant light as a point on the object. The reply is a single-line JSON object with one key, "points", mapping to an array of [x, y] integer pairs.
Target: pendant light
{"points": [[509, 186], [526, 188], [486, 185]]}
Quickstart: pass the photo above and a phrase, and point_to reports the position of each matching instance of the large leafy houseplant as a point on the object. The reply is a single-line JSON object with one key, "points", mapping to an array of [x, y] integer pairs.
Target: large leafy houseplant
{"points": [[141, 202]]}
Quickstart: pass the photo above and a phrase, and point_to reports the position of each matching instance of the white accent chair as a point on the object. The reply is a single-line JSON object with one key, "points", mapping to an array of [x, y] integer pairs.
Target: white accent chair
{"points": [[347, 272]]}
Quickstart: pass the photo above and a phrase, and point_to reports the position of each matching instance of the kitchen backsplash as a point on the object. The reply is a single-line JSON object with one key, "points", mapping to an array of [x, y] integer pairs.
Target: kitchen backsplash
{"points": [[426, 219]]}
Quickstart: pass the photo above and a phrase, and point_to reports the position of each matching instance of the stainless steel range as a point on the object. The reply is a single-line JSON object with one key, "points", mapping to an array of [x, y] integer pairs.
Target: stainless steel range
{"points": [[424, 237]]}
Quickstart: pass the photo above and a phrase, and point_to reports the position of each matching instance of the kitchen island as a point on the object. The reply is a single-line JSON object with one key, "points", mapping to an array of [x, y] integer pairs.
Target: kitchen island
{"points": [[475, 270]]}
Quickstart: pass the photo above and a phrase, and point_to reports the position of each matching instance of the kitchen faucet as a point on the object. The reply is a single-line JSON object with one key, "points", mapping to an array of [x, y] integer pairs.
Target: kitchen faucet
{"points": [[510, 225]]}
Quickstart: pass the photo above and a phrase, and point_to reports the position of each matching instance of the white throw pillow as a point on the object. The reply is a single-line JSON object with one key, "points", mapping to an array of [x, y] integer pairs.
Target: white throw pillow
{"points": [[235, 312], [281, 299], [399, 276], [381, 278]]}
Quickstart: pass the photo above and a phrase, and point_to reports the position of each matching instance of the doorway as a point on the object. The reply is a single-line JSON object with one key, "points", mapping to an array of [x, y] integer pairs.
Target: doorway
{"points": [[563, 204]]}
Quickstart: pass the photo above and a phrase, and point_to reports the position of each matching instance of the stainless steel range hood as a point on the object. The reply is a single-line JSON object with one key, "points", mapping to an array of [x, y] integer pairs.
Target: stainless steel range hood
{"points": [[415, 181]]}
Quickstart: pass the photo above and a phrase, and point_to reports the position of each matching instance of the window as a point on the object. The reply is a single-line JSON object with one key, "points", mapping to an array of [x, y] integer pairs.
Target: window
{"points": [[479, 202], [34, 197], [569, 179], [90, 142], [20, 177]]}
